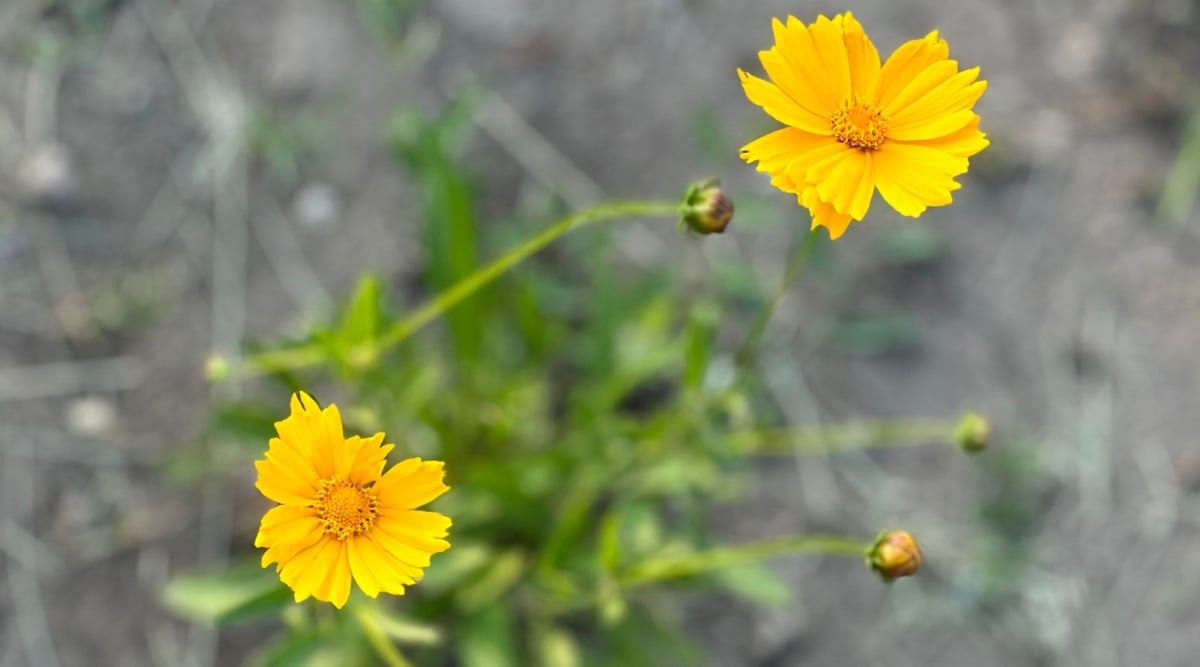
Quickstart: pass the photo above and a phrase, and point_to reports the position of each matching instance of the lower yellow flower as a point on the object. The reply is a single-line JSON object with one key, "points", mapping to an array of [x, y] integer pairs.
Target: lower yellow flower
{"points": [[339, 517]]}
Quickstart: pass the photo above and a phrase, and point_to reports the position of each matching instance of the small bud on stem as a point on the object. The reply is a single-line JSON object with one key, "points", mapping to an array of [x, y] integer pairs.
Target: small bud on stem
{"points": [[895, 554], [706, 209], [216, 368], [972, 432]]}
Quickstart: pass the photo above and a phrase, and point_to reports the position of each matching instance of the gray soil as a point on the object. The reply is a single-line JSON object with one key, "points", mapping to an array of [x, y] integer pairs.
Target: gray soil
{"points": [[136, 237]]}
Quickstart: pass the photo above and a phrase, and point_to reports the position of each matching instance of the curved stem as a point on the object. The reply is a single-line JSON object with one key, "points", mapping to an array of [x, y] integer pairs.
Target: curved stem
{"points": [[795, 267], [843, 437], [723, 557], [310, 355]]}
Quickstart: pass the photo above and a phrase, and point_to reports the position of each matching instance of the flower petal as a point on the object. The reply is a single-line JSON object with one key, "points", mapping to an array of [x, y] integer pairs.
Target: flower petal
{"points": [[906, 63], [361, 568], [824, 215], [410, 484], [846, 180], [276, 483], [796, 47], [834, 64], [306, 430], [369, 458], [775, 151], [862, 56], [964, 143], [306, 570], [913, 177], [941, 110], [287, 471], [779, 106], [413, 536], [336, 586], [788, 75], [285, 522], [391, 574]]}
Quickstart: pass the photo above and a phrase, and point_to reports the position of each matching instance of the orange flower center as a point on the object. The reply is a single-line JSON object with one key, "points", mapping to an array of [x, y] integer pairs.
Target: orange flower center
{"points": [[859, 124], [345, 509]]}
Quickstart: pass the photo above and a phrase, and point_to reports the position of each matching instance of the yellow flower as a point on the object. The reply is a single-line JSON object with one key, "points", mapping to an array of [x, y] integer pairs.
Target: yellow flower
{"points": [[338, 517], [905, 128]]}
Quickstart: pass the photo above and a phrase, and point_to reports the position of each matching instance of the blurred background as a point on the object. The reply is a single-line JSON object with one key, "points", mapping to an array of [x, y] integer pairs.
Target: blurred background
{"points": [[180, 176]]}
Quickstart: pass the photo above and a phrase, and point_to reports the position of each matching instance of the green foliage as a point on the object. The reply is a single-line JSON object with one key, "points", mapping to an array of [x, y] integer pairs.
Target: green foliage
{"points": [[285, 137], [580, 438], [585, 428], [240, 593], [1178, 198]]}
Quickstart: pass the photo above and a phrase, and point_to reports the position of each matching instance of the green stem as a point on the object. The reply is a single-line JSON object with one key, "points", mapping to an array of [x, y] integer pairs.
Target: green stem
{"points": [[384, 648], [749, 348], [843, 437], [311, 355], [723, 557]]}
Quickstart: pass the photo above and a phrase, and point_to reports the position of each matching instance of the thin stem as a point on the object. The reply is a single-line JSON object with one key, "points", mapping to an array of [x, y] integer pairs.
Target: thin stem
{"points": [[843, 437], [310, 355], [469, 285], [384, 648], [723, 557], [749, 348]]}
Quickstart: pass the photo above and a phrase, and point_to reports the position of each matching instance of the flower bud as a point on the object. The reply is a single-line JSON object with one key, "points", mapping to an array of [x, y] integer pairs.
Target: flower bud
{"points": [[972, 432], [706, 209], [216, 368], [894, 555]]}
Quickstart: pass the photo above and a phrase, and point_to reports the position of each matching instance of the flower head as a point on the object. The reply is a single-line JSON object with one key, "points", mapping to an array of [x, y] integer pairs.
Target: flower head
{"points": [[905, 127], [339, 517]]}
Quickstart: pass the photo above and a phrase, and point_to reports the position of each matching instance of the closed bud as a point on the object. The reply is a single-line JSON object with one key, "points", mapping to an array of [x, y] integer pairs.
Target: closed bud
{"points": [[216, 368], [972, 432], [706, 209], [894, 555]]}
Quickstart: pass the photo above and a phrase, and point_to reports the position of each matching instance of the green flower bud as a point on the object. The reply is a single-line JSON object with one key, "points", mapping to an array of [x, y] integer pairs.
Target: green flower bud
{"points": [[972, 432], [216, 368], [706, 209]]}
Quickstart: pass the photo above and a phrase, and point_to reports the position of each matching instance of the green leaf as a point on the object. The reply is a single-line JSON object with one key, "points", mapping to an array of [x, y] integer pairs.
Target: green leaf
{"points": [[701, 329], [1178, 197], [876, 334], [387, 20], [404, 630], [245, 421], [504, 573], [447, 212], [452, 568], [363, 318], [555, 647], [488, 639], [302, 650], [610, 540], [912, 245], [241, 593]]}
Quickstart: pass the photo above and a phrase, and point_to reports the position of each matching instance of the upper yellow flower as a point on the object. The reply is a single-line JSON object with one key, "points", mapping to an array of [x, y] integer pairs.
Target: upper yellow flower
{"points": [[338, 518], [905, 127]]}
